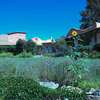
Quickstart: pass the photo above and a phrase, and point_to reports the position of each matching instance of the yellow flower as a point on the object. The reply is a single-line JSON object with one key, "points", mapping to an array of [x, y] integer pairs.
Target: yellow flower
{"points": [[74, 33]]}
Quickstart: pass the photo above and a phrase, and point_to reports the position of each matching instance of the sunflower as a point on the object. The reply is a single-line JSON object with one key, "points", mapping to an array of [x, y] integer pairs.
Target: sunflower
{"points": [[74, 33]]}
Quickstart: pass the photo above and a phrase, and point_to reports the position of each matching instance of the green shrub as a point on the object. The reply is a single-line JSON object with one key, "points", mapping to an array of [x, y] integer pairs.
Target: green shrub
{"points": [[18, 88], [62, 93], [49, 54], [72, 93], [97, 55], [6, 54], [49, 94], [7, 49], [97, 47], [94, 55], [21, 89], [89, 84], [24, 55]]}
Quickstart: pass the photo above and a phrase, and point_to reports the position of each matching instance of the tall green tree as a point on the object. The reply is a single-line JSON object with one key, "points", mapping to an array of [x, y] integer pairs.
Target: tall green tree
{"points": [[30, 46], [20, 46], [60, 46], [91, 14]]}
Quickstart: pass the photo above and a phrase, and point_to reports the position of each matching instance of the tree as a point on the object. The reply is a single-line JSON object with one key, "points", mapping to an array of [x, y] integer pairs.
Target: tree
{"points": [[30, 46], [20, 46], [60, 46], [91, 14]]}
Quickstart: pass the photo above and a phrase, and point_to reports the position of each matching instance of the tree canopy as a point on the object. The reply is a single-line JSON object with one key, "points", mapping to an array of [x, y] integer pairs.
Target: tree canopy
{"points": [[91, 14]]}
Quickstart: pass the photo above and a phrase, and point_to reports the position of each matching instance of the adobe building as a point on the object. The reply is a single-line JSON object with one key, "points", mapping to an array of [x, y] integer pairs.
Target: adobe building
{"points": [[44, 46], [89, 36], [11, 38]]}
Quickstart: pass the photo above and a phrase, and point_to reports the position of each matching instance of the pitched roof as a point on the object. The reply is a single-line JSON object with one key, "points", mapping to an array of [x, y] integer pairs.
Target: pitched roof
{"points": [[83, 31], [17, 33]]}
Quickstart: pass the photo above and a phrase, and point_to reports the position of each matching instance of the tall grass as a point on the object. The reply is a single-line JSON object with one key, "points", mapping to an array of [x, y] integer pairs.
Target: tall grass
{"points": [[6, 54], [56, 69], [89, 84], [28, 67]]}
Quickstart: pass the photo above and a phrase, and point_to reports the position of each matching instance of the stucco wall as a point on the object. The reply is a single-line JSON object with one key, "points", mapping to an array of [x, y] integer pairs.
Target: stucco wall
{"points": [[3, 39], [11, 39]]}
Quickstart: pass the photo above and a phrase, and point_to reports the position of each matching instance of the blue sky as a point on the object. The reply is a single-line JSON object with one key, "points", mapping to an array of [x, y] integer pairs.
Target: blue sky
{"points": [[40, 18]]}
